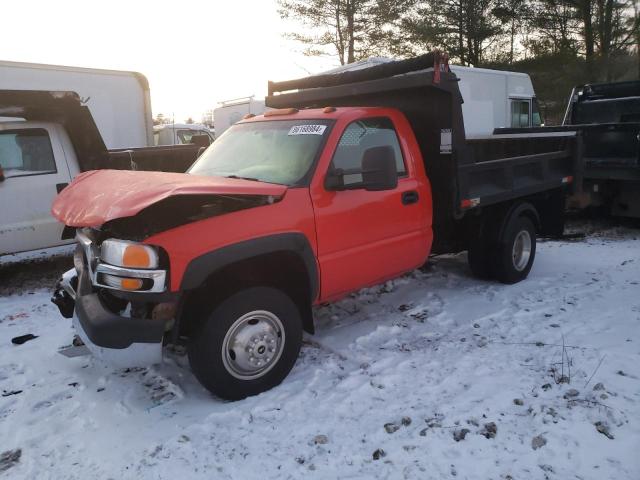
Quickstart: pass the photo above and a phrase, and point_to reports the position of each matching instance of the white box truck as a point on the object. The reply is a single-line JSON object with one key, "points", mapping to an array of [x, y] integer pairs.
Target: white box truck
{"points": [[232, 111], [119, 101]]}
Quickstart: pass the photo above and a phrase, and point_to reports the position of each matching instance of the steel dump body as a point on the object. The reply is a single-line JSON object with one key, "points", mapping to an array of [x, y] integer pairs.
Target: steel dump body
{"points": [[464, 173]]}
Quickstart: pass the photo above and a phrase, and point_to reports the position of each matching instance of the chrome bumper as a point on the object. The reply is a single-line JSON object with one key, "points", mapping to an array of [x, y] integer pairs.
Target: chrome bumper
{"points": [[135, 355]]}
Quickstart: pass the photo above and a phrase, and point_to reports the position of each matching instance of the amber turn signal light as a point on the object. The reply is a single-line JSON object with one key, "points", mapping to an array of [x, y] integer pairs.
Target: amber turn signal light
{"points": [[131, 284], [136, 256]]}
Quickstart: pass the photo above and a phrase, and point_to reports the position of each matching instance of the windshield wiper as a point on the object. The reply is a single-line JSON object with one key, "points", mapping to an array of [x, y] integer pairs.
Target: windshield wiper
{"points": [[244, 178]]}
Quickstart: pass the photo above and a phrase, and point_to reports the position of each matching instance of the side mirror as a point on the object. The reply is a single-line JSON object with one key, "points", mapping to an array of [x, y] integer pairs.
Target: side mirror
{"points": [[379, 169]]}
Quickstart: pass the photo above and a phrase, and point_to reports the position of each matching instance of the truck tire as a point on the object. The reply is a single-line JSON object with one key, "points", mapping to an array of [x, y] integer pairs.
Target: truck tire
{"points": [[248, 344], [516, 250]]}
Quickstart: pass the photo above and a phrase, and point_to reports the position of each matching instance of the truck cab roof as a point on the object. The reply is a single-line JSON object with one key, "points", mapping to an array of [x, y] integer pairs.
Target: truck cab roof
{"points": [[326, 113]]}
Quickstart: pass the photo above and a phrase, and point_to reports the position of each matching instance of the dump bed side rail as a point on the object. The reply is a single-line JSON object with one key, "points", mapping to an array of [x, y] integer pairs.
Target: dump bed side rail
{"points": [[542, 163]]}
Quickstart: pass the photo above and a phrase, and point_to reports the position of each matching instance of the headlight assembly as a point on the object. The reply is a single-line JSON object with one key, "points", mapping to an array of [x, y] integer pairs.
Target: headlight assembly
{"points": [[122, 253]]}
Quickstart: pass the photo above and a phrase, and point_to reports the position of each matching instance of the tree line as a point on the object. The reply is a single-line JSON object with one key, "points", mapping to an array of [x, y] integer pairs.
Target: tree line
{"points": [[571, 41]]}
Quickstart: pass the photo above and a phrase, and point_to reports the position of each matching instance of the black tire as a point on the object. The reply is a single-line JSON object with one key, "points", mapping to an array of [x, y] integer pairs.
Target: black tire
{"points": [[205, 349], [507, 269]]}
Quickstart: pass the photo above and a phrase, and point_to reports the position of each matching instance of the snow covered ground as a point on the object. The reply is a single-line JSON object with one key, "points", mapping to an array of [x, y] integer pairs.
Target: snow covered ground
{"points": [[431, 357]]}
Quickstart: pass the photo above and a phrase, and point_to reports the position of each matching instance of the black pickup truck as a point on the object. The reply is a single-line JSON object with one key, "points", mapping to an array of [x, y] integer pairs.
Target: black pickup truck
{"points": [[607, 117]]}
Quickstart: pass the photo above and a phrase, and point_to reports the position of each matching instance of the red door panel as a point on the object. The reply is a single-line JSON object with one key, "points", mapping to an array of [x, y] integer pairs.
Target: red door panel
{"points": [[365, 237]]}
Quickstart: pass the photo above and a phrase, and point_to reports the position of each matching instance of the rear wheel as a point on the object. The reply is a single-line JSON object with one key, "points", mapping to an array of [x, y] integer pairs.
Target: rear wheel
{"points": [[248, 344], [516, 250]]}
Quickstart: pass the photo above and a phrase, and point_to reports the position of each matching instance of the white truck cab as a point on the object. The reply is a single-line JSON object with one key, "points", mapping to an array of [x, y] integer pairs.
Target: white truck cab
{"points": [[37, 161], [496, 99], [46, 139], [39, 158]]}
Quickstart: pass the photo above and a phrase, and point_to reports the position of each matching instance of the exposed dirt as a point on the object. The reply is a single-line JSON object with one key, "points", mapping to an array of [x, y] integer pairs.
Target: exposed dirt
{"points": [[27, 275]]}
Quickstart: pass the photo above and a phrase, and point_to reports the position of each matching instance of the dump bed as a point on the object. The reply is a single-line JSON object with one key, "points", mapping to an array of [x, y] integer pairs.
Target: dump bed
{"points": [[608, 116], [464, 174]]}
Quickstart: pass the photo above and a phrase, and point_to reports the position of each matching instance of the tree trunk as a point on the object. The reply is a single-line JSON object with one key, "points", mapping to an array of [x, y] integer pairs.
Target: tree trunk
{"points": [[461, 32], [606, 26], [351, 57], [513, 34], [586, 13], [339, 36]]}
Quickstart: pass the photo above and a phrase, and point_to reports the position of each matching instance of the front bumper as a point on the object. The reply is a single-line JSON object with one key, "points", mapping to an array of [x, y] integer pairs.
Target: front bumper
{"points": [[137, 354], [119, 340]]}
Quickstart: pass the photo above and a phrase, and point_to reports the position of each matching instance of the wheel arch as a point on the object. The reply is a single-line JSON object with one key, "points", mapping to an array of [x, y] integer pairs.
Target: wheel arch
{"points": [[285, 261], [520, 209]]}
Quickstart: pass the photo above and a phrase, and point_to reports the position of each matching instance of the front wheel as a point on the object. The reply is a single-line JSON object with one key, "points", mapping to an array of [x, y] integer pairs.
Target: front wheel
{"points": [[248, 344], [517, 250]]}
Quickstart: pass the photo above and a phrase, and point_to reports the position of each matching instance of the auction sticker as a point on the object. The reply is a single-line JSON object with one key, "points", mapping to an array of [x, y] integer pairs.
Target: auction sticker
{"points": [[307, 130]]}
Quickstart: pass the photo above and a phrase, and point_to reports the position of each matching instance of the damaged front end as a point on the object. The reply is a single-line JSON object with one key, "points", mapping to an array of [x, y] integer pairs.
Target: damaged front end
{"points": [[118, 299], [118, 293]]}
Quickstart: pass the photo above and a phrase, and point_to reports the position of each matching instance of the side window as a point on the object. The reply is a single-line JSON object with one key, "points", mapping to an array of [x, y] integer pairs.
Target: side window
{"points": [[358, 137], [519, 113], [184, 136], [536, 117], [26, 152]]}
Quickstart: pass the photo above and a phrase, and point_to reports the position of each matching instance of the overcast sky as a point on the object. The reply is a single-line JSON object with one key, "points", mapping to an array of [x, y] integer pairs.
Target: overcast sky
{"points": [[194, 53]]}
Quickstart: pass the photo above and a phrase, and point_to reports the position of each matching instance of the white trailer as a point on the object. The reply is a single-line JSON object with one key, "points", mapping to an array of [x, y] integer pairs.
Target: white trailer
{"points": [[119, 101], [232, 111]]}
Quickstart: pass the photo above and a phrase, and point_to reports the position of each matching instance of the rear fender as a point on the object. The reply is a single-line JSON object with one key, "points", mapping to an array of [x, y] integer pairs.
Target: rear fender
{"points": [[516, 210]]}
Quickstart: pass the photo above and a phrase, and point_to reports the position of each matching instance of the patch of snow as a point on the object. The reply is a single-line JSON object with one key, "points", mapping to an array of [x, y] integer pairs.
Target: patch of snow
{"points": [[432, 353]]}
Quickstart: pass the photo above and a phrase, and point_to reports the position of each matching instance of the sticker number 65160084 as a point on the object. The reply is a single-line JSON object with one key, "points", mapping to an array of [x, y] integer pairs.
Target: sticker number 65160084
{"points": [[307, 130]]}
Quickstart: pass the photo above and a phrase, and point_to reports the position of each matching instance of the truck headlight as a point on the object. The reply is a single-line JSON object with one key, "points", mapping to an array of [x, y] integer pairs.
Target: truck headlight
{"points": [[122, 253]]}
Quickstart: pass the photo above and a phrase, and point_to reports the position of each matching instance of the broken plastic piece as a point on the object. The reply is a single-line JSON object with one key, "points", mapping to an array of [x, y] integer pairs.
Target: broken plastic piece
{"points": [[23, 338]]}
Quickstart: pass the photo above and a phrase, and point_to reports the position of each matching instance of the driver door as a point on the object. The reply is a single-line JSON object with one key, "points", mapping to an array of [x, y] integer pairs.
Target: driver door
{"points": [[365, 237]]}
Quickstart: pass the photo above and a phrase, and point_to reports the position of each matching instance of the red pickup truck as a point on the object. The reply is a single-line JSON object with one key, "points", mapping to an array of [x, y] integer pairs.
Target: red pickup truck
{"points": [[294, 208]]}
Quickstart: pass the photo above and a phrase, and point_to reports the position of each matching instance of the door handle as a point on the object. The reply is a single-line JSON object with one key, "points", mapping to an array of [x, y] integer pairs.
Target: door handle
{"points": [[410, 197]]}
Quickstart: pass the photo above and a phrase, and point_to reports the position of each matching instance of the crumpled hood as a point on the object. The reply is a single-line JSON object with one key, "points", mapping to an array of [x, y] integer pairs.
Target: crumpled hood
{"points": [[98, 196]]}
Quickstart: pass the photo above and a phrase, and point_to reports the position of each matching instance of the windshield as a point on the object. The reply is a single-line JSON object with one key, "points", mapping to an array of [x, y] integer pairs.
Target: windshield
{"points": [[278, 151]]}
